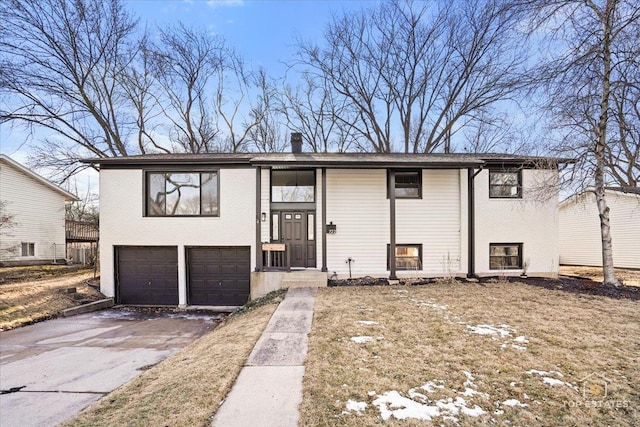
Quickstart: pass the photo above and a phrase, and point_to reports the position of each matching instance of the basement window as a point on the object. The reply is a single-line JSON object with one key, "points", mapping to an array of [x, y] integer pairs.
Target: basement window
{"points": [[28, 249], [408, 257], [505, 256]]}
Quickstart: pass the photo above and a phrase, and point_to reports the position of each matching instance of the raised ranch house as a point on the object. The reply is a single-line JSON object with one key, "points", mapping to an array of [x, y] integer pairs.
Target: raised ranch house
{"points": [[580, 238], [216, 229], [35, 233]]}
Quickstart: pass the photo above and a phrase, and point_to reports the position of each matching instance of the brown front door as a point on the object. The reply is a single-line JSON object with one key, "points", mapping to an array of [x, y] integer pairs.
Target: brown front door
{"points": [[295, 234]]}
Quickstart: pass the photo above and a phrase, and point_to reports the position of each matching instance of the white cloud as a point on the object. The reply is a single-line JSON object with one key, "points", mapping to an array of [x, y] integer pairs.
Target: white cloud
{"points": [[222, 3]]}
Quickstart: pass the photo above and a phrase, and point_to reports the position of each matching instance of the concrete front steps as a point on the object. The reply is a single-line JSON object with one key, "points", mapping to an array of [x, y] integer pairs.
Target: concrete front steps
{"points": [[304, 279]]}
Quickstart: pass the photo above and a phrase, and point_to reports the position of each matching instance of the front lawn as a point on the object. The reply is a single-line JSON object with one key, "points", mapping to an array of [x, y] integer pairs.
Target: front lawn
{"points": [[470, 354]]}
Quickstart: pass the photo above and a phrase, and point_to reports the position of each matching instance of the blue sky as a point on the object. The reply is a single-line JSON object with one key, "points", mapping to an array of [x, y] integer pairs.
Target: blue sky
{"points": [[264, 32]]}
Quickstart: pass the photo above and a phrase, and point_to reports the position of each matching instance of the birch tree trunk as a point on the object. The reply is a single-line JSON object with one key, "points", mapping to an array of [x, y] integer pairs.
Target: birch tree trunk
{"points": [[606, 16]]}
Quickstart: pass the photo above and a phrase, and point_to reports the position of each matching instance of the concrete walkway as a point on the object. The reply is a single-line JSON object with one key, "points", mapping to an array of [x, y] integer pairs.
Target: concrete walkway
{"points": [[269, 387]]}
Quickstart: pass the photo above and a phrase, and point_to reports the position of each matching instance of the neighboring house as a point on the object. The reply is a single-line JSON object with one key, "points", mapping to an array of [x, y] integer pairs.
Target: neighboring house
{"points": [[580, 238], [82, 241], [208, 229], [35, 233]]}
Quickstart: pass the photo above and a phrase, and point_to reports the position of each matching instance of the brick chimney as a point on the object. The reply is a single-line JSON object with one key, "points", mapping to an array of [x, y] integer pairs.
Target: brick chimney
{"points": [[296, 143]]}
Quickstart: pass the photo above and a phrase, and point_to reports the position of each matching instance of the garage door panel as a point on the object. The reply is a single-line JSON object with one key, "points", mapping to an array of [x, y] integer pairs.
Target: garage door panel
{"points": [[147, 275], [219, 276]]}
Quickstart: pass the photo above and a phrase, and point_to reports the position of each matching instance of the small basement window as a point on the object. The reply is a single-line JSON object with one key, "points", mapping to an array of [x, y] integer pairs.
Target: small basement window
{"points": [[505, 184], [28, 249], [408, 185], [408, 257], [505, 256]]}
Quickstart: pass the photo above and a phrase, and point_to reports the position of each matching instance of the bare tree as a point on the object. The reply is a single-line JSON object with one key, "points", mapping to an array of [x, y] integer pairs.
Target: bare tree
{"points": [[7, 222], [237, 114], [267, 136], [322, 116], [187, 63], [420, 67], [594, 43], [61, 65]]}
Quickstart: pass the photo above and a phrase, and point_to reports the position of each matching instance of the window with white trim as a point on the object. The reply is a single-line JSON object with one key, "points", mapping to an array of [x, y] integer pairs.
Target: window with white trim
{"points": [[28, 249]]}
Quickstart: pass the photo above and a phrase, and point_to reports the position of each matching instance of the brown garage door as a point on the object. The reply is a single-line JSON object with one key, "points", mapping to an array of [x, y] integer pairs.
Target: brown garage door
{"points": [[219, 276], [147, 275]]}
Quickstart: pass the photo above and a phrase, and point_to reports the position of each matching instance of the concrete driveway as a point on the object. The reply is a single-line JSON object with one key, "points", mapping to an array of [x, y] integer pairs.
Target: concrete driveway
{"points": [[61, 366]]}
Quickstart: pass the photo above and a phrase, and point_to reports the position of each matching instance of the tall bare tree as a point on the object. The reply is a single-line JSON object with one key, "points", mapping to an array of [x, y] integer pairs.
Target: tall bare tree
{"points": [[187, 63], [419, 67], [322, 116], [594, 42], [61, 64]]}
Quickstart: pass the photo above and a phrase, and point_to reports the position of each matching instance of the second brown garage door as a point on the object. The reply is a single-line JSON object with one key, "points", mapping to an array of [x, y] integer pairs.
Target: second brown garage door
{"points": [[219, 276]]}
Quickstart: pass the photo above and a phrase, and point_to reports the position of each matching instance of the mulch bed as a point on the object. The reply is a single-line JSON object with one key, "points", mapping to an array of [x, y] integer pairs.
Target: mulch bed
{"points": [[574, 285]]}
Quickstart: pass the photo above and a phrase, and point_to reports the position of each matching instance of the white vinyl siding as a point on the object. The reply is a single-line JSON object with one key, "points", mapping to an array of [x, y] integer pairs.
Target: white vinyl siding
{"points": [[38, 215], [433, 221], [580, 240], [357, 204], [265, 189], [122, 222]]}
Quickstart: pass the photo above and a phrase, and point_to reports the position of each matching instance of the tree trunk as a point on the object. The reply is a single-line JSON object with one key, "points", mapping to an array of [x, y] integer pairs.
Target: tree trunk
{"points": [[601, 143]]}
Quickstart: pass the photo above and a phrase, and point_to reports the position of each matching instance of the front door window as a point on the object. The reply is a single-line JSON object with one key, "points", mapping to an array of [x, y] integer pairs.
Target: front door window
{"points": [[297, 235]]}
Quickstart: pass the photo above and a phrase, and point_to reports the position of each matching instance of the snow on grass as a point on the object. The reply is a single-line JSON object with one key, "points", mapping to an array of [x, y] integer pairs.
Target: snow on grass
{"points": [[431, 386], [503, 330], [355, 406], [362, 339], [367, 322], [417, 405], [514, 402], [546, 379], [521, 339]]}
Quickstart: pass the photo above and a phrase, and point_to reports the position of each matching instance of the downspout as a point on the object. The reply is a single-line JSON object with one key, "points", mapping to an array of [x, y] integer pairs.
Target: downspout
{"points": [[258, 218], [391, 185], [324, 219], [471, 175]]}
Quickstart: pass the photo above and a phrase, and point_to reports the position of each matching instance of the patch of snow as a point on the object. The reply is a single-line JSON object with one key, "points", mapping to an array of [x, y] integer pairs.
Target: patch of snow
{"points": [[498, 412], [353, 405], [394, 404], [519, 347], [552, 381], [536, 372], [367, 322], [431, 386], [371, 393], [514, 402], [361, 339], [521, 339], [490, 330]]}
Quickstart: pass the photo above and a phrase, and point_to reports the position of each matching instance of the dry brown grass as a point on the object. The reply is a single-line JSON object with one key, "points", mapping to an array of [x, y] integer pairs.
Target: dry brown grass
{"points": [[422, 335], [628, 277], [187, 388], [32, 301]]}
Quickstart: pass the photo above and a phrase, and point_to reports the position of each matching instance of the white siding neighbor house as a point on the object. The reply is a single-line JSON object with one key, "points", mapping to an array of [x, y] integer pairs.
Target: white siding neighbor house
{"points": [[580, 239], [36, 232], [217, 229]]}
